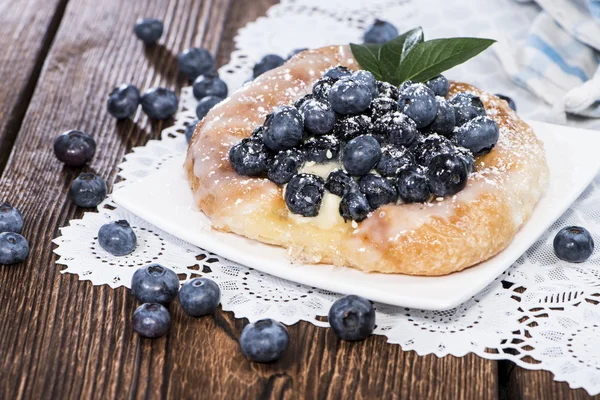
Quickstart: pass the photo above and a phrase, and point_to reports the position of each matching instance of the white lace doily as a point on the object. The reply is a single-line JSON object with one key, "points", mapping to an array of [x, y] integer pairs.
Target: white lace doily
{"points": [[541, 313]]}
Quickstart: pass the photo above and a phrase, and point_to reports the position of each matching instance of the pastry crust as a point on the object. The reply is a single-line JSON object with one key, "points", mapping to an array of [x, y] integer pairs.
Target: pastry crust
{"points": [[437, 238]]}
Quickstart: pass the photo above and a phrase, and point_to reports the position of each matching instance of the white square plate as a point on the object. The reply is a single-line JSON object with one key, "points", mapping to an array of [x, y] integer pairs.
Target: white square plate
{"points": [[165, 200]]}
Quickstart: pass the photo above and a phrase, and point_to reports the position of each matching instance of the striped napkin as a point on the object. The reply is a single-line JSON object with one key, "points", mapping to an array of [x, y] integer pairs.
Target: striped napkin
{"points": [[560, 59]]}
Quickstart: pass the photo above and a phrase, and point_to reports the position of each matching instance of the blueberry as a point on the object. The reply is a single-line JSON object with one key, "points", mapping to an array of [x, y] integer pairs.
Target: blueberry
{"points": [[367, 79], [350, 96], [354, 206], [123, 101], [352, 318], [339, 183], [396, 128], [380, 32], [283, 129], [88, 190], [159, 103], [510, 101], [382, 106], [445, 119], [195, 62], [285, 165], [413, 185], [154, 284], [267, 63], [74, 148], [430, 146], [189, 130], [11, 219], [151, 320], [447, 175], [13, 248], [322, 87], [573, 244], [264, 341], [393, 159], [304, 193], [418, 102], [148, 30], [337, 73], [378, 190], [361, 155], [257, 133], [300, 102], [479, 135], [467, 158], [117, 238], [319, 117], [321, 148], [466, 107], [249, 157], [388, 90], [438, 85], [205, 105], [209, 85], [295, 51], [347, 127], [200, 296]]}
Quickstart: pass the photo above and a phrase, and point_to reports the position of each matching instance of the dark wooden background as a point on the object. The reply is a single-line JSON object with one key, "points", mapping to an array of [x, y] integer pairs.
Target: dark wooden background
{"points": [[63, 338]]}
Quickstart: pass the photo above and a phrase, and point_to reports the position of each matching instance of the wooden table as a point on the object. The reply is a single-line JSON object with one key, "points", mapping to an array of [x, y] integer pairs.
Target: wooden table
{"points": [[64, 338]]}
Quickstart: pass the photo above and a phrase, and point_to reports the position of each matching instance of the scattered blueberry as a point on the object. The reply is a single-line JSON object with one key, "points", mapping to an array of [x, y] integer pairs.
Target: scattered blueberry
{"points": [[13, 248], [200, 296], [11, 219], [321, 148], [380, 32], [267, 63], [388, 90], [88, 190], [337, 73], [413, 185], [466, 107], [479, 135], [283, 129], [148, 30], [151, 320], [322, 87], [319, 117], [264, 341], [573, 244], [159, 103], [361, 155], [430, 146], [510, 101], [189, 130], [354, 206], [117, 238], [209, 85], [206, 104], [154, 284], [347, 127], [123, 101], [195, 62], [447, 175], [445, 118], [285, 165], [350, 96], [381, 106], [339, 183], [295, 51], [393, 159], [396, 128], [438, 85], [418, 102], [304, 193], [378, 190], [74, 148], [352, 318], [300, 102], [367, 79], [249, 157]]}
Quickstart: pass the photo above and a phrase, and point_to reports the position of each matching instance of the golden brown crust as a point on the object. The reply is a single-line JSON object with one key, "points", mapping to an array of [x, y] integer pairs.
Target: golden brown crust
{"points": [[418, 239]]}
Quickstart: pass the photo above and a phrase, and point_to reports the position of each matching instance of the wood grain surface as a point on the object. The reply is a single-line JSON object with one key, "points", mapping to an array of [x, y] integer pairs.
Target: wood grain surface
{"points": [[64, 338]]}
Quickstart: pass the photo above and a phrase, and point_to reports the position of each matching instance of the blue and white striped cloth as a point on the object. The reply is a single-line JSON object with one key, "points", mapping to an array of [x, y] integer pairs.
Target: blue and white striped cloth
{"points": [[560, 60]]}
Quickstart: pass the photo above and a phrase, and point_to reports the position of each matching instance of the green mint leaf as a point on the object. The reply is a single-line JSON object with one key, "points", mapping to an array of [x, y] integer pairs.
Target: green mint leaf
{"points": [[431, 58], [393, 52], [367, 56]]}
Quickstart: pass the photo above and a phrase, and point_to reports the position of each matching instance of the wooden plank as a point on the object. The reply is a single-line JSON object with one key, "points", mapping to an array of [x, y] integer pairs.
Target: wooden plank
{"points": [[27, 28], [533, 385], [64, 338]]}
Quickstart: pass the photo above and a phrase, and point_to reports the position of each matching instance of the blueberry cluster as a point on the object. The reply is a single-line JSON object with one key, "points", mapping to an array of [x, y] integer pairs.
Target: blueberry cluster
{"points": [[408, 143]]}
